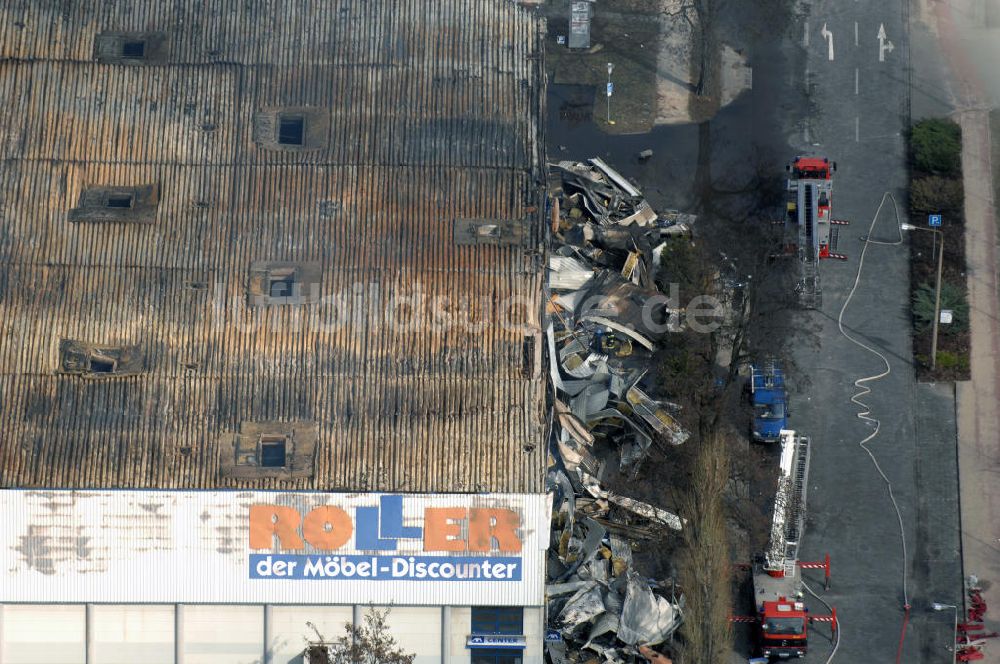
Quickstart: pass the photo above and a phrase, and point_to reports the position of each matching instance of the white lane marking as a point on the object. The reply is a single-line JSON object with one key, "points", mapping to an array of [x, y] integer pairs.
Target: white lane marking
{"points": [[883, 43], [855, 33], [805, 34], [828, 36], [857, 77], [857, 129]]}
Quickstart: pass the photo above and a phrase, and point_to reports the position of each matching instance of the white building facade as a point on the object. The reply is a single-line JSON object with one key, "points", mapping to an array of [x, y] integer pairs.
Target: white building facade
{"points": [[251, 577]]}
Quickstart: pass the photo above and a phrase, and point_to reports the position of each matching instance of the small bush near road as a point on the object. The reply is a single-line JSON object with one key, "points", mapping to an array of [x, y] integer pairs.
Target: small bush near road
{"points": [[949, 361], [936, 195], [952, 297], [936, 147]]}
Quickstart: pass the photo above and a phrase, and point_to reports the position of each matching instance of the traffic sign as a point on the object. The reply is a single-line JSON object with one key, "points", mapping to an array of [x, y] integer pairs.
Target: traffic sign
{"points": [[934, 220], [611, 88]]}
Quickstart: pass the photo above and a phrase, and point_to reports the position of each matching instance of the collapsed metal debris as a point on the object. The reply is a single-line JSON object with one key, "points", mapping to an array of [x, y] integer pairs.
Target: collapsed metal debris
{"points": [[597, 601], [607, 318]]}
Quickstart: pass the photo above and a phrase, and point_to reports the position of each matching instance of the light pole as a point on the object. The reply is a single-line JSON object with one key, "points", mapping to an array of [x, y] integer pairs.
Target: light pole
{"points": [[937, 287], [954, 635]]}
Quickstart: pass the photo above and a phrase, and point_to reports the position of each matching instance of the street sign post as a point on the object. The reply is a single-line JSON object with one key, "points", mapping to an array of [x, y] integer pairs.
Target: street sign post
{"points": [[611, 89], [934, 221]]}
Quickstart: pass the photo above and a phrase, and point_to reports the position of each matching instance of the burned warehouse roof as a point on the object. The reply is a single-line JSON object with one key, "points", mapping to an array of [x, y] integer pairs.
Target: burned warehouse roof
{"points": [[273, 244]]}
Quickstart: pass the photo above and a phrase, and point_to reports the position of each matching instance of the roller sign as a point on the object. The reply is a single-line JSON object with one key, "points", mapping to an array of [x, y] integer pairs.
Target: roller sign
{"points": [[376, 542]]}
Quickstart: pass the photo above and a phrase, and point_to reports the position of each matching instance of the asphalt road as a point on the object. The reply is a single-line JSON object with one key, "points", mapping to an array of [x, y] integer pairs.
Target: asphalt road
{"points": [[860, 108]]}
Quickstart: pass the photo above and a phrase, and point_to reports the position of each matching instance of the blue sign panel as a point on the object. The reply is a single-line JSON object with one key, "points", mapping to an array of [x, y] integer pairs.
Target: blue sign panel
{"points": [[495, 641], [553, 635], [611, 88], [934, 220]]}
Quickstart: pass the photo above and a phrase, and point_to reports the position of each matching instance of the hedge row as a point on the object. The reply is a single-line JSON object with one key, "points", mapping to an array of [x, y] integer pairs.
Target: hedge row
{"points": [[936, 188]]}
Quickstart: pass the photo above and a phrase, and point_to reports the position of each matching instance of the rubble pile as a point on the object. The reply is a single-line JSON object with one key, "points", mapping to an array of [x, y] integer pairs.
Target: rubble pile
{"points": [[607, 317]]}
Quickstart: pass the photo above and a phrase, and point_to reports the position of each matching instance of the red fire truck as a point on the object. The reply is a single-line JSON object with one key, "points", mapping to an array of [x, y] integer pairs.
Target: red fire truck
{"points": [[810, 211], [782, 619]]}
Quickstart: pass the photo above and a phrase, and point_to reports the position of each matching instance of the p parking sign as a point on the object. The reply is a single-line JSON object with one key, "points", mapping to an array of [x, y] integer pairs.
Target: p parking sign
{"points": [[934, 220]]}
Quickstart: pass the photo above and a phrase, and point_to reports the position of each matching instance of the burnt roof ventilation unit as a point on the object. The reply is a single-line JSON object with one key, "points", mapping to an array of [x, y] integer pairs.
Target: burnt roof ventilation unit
{"points": [[131, 48], [98, 360], [117, 204], [284, 282], [283, 450], [490, 231], [292, 129]]}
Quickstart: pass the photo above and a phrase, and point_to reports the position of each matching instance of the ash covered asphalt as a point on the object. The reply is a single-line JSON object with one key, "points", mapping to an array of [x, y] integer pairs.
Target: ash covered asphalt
{"points": [[850, 515]]}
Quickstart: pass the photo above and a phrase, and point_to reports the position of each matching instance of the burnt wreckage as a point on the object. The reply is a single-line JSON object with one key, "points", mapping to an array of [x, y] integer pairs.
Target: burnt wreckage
{"points": [[606, 317]]}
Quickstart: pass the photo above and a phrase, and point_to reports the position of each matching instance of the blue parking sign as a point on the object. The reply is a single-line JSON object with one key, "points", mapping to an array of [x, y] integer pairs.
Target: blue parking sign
{"points": [[611, 88], [933, 220]]}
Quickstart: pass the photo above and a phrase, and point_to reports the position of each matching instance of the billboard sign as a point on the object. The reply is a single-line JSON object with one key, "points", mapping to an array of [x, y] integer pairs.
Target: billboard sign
{"points": [[273, 547], [327, 532]]}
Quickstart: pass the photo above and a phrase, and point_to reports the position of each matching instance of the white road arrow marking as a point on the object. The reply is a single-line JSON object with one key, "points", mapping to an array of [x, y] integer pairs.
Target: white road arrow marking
{"points": [[828, 36], [883, 43]]}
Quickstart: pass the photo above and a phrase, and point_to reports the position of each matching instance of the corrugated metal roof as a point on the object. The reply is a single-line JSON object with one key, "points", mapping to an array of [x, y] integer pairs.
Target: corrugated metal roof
{"points": [[433, 109], [194, 547]]}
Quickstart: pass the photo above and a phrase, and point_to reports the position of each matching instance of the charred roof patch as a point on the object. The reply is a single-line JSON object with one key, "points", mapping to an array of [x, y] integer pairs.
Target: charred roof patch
{"points": [[131, 48], [98, 360], [117, 204], [491, 231]]}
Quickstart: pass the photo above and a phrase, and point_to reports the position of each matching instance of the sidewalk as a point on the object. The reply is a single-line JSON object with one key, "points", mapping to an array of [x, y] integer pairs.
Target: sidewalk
{"points": [[979, 398]]}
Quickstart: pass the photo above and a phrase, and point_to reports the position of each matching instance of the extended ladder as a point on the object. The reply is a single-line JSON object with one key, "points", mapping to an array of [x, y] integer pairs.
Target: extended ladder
{"points": [[788, 521], [808, 287]]}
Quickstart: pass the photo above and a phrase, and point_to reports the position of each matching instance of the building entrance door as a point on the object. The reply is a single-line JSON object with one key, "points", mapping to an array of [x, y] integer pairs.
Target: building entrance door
{"points": [[497, 657]]}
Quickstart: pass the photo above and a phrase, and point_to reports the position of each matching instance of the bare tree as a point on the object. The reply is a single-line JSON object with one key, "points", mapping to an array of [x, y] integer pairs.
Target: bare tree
{"points": [[705, 565], [368, 643], [700, 16]]}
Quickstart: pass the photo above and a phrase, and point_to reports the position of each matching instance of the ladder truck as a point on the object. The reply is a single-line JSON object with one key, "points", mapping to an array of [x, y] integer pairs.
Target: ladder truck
{"points": [[810, 188], [782, 620]]}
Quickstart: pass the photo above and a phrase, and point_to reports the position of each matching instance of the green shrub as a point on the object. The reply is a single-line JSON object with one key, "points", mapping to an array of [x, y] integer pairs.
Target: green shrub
{"points": [[936, 195], [952, 297], [948, 360], [936, 146]]}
